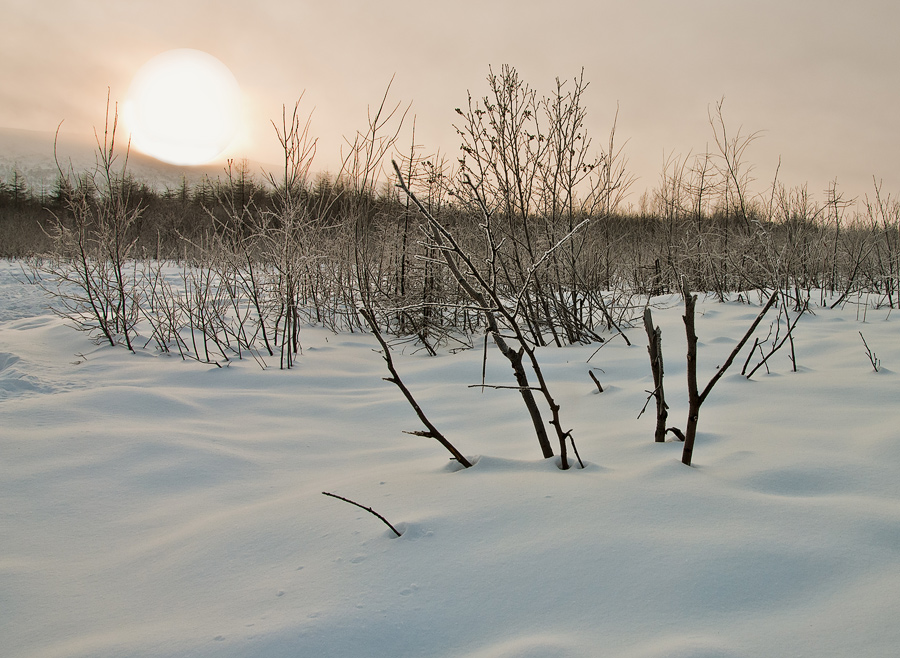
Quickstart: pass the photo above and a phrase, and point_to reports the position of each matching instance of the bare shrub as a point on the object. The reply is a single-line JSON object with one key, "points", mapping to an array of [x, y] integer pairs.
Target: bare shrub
{"points": [[530, 163], [480, 286], [94, 277], [696, 398]]}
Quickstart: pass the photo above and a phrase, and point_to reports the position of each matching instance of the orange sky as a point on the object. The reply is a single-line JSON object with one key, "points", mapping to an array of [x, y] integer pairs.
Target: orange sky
{"points": [[818, 77]]}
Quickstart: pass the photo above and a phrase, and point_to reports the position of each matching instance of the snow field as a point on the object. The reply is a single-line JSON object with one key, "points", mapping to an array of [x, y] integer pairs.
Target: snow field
{"points": [[154, 507]]}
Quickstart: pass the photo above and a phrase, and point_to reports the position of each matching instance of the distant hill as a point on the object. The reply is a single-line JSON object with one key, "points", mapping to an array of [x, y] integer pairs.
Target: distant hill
{"points": [[31, 153]]}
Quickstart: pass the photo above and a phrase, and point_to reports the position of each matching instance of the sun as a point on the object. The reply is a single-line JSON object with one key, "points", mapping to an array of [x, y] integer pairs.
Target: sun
{"points": [[183, 107]]}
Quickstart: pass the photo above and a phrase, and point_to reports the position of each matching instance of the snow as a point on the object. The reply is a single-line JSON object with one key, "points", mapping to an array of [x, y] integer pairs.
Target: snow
{"points": [[155, 507]]}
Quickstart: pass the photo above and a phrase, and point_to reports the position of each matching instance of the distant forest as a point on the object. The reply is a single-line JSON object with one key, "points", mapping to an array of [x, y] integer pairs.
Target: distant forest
{"points": [[695, 222], [170, 219]]}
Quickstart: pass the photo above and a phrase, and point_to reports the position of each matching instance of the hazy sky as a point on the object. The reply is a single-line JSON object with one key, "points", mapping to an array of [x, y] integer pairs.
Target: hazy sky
{"points": [[819, 78]]}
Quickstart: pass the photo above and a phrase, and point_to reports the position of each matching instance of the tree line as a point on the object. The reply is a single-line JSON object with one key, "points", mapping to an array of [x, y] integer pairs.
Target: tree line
{"points": [[529, 191]]}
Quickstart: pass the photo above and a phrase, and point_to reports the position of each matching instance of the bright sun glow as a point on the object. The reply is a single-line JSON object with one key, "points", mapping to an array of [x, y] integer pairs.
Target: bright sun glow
{"points": [[183, 107]]}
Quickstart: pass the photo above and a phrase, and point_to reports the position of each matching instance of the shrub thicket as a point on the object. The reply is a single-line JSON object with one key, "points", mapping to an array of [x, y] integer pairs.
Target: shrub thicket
{"points": [[530, 197], [524, 238]]}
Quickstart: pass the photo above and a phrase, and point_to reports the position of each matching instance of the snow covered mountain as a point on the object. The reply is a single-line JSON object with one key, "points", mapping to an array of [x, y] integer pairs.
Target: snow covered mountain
{"points": [[31, 153]]}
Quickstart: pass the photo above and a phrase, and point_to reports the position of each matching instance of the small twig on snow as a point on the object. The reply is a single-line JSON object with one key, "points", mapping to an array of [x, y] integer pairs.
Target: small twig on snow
{"points": [[873, 359], [368, 509]]}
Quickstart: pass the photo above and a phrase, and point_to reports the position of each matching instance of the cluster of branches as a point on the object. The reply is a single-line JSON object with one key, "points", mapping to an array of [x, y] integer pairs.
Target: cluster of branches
{"points": [[529, 199], [240, 287], [705, 222]]}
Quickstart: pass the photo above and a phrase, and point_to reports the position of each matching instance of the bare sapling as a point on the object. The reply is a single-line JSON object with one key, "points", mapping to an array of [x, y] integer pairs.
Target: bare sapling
{"points": [[484, 293], [212, 311], [873, 359], [96, 286], [285, 238], [696, 398], [532, 161], [238, 257], [731, 155], [164, 313], [884, 216], [361, 172], [431, 432], [368, 509], [654, 348], [418, 289], [778, 340]]}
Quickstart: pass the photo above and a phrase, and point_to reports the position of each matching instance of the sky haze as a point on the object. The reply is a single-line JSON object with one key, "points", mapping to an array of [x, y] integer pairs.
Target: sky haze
{"points": [[817, 79]]}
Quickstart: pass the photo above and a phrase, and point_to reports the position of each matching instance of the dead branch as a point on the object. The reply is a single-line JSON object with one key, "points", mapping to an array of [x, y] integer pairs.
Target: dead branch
{"points": [[596, 381], [368, 509], [433, 432], [874, 360], [696, 398], [654, 348]]}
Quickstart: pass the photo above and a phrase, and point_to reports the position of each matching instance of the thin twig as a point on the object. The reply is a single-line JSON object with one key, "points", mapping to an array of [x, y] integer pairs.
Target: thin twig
{"points": [[873, 359], [368, 509], [501, 386], [433, 431], [574, 448]]}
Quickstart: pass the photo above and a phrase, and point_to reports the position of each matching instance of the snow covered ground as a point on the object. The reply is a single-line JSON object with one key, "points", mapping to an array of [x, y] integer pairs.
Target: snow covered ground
{"points": [[154, 507]]}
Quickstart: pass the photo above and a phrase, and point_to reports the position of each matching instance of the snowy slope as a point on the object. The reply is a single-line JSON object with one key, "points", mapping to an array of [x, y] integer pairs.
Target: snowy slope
{"points": [[152, 507], [31, 153]]}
